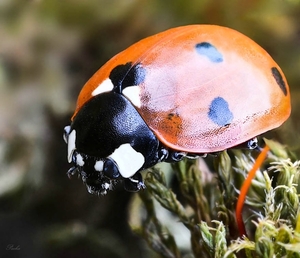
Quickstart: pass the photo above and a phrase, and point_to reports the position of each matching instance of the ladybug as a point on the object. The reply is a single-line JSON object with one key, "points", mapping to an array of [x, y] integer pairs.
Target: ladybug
{"points": [[184, 92]]}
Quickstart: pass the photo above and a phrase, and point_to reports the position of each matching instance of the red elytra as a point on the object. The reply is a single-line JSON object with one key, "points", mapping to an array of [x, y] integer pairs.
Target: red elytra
{"points": [[179, 87]]}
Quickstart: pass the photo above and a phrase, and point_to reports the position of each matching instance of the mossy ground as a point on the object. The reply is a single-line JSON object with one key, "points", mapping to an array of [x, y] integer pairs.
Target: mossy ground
{"points": [[206, 207]]}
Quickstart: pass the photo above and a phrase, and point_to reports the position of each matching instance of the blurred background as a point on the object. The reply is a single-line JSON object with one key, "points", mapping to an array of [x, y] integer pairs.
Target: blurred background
{"points": [[48, 50]]}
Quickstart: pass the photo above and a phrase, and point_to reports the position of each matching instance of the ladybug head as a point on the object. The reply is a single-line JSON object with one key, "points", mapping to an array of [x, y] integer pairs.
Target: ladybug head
{"points": [[108, 141]]}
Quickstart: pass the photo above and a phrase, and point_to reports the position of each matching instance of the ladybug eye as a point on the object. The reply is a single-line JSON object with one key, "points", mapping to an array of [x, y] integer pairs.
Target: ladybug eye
{"points": [[110, 169], [134, 183]]}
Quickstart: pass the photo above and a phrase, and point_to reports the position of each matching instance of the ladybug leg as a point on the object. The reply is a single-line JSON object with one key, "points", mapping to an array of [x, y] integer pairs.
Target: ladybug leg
{"points": [[195, 156], [72, 171], [175, 156], [168, 155], [162, 154], [250, 144], [134, 183], [75, 169]]}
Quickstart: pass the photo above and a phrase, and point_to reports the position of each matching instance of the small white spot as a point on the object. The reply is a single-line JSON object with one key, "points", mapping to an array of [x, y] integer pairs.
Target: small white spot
{"points": [[106, 186], [128, 160], [71, 145], [99, 165], [79, 160], [132, 93], [104, 86]]}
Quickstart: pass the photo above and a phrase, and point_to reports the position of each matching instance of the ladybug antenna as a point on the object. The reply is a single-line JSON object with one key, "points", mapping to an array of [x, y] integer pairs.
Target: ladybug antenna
{"points": [[245, 187]]}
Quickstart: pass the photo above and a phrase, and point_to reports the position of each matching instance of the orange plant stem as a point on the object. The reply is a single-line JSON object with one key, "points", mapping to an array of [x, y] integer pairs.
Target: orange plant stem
{"points": [[245, 187]]}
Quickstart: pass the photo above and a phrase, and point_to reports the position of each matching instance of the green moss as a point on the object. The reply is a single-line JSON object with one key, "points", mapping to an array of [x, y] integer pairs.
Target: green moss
{"points": [[206, 207]]}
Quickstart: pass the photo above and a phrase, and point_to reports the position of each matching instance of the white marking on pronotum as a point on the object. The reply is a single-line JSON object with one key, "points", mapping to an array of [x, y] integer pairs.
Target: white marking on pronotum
{"points": [[79, 160], [66, 133], [128, 160], [132, 93], [71, 145], [104, 86], [99, 165]]}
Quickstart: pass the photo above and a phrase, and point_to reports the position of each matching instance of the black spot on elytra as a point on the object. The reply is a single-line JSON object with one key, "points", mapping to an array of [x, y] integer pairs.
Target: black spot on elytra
{"points": [[210, 51], [174, 120], [126, 75], [278, 78], [219, 112]]}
